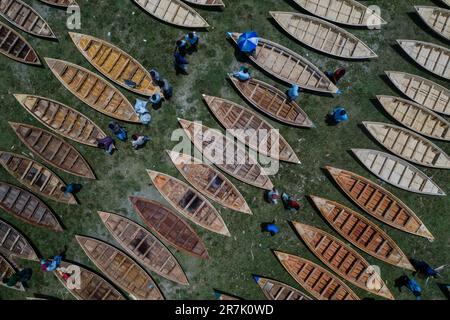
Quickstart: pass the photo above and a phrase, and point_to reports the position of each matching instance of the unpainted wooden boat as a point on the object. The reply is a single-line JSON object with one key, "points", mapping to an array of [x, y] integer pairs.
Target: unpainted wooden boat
{"points": [[6, 271], [24, 17], [189, 202], [416, 117], [446, 2], [323, 36], [12, 242], [362, 232], [275, 290], [120, 269], [235, 160], [62, 119], [61, 3], [436, 19], [408, 145], [144, 247], [207, 3], [379, 203], [397, 172], [209, 182], [289, 66], [53, 149], [224, 296], [15, 47], [93, 90], [250, 129], [316, 280]]}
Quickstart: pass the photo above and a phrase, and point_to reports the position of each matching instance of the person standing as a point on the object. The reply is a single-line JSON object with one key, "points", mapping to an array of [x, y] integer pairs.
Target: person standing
{"points": [[293, 93], [139, 140], [71, 188]]}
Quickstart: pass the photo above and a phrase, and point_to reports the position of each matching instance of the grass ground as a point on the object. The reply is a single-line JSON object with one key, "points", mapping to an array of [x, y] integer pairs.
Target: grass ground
{"points": [[247, 252]]}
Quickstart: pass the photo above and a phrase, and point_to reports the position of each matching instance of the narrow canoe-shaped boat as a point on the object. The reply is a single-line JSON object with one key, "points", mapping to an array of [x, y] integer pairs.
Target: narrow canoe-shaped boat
{"points": [[189, 202], [60, 3], [25, 18], [224, 296], [289, 66], [379, 203], [275, 290], [62, 119], [343, 260], [430, 56], [144, 247], [316, 280], [323, 36], [120, 269], [397, 172], [244, 167], [272, 102], [170, 227], [362, 233], [12, 242], [174, 12], [416, 117], [115, 64], [14, 46], [249, 128], [436, 19], [207, 3], [6, 271], [408, 145], [93, 90], [53, 149], [209, 182]]}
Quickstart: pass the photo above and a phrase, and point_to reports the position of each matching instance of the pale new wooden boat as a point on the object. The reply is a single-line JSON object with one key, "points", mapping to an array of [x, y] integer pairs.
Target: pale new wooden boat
{"points": [[144, 247], [436, 19], [120, 269], [61, 3], [397, 172], [320, 283], [250, 129], [362, 233], [53, 149], [62, 119], [346, 12], [430, 56], [224, 296], [206, 3], [272, 102], [174, 12], [93, 90], [323, 36], [446, 2], [12, 242], [416, 117], [189, 202], [170, 227], [15, 47], [6, 271], [24, 17], [343, 260], [289, 66], [244, 167], [115, 64], [275, 290], [209, 182], [408, 145], [423, 91], [379, 203]]}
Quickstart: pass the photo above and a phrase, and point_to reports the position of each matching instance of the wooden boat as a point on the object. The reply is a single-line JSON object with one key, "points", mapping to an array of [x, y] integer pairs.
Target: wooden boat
{"points": [[397, 172], [446, 2], [144, 247], [379, 203], [416, 117], [189, 202], [61, 3], [15, 47], [346, 12], [250, 129], [316, 280], [288, 66], [170, 227], [209, 182], [224, 296], [62, 119], [207, 3], [275, 290], [53, 149], [408, 145], [436, 19], [92, 286], [6, 271], [362, 233], [93, 90], [12, 242], [174, 12], [323, 36], [343, 260], [430, 56], [25, 18], [115, 64], [121, 269], [423, 91], [272, 102], [243, 168]]}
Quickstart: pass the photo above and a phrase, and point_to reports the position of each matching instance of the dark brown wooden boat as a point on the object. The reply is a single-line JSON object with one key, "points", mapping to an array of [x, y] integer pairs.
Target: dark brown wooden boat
{"points": [[6, 271], [14, 46], [61, 3], [275, 290], [225, 296], [12, 242]]}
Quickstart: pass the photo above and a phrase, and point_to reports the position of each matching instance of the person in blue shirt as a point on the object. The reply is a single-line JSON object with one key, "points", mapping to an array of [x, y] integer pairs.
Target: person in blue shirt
{"points": [[270, 227], [119, 131], [71, 188], [192, 39], [156, 100], [338, 115], [181, 47], [411, 284], [180, 63], [243, 74], [293, 92]]}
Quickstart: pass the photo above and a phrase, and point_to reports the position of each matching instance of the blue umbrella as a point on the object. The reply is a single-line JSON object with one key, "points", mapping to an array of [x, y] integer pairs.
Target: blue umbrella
{"points": [[248, 41]]}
